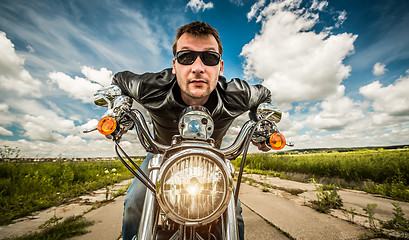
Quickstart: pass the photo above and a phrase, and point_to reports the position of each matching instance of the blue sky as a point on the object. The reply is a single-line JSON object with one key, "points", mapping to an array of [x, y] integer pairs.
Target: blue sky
{"points": [[339, 70]]}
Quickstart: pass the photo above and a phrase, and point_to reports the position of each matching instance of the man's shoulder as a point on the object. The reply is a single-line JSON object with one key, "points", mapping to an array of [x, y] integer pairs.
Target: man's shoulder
{"points": [[234, 85], [238, 92], [146, 85], [166, 74]]}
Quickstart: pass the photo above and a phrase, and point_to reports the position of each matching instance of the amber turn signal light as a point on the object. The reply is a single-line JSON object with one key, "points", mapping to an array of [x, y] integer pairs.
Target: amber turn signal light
{"points": [[277, 141], [106, 125]]}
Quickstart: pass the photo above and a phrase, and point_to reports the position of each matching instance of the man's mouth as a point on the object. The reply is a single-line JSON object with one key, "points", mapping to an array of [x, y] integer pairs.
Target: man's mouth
{"points": [[198, 81]]}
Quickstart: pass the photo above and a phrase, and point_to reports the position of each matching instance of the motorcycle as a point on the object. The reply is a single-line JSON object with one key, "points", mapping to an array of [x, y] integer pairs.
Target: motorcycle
{"points": [[190, 183]]}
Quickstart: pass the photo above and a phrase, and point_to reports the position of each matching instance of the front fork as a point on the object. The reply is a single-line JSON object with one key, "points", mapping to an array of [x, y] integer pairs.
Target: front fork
{"points": [[150, 213], [229, 224]]}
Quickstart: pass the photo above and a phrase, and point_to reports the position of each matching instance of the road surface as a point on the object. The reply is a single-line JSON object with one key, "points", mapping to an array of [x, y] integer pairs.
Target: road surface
{"points": [[275, 214]]}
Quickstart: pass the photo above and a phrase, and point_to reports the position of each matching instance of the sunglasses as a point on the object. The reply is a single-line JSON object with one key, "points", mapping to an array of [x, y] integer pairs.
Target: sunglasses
{"points": [[188, 57]]}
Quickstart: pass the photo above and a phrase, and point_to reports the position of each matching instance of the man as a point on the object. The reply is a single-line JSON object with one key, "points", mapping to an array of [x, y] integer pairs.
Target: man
{"points": [[195, 79]]}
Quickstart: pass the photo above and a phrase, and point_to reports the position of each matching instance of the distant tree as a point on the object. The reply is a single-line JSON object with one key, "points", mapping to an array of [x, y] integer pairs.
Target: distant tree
{"points": [[9, 152]]}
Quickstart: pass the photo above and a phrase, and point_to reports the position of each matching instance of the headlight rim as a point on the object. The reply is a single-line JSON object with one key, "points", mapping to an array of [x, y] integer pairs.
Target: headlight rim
{"points": [[228, 182]]}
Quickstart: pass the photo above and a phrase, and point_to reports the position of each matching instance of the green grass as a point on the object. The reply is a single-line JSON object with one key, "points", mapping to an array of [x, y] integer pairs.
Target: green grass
{"points": [[70, 227], [380, 171], [26, 187], [327, 198], [399, 222]]}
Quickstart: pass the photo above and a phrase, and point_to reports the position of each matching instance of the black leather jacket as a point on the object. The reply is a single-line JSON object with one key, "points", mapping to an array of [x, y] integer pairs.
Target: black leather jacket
{"points": [[159, 93]]}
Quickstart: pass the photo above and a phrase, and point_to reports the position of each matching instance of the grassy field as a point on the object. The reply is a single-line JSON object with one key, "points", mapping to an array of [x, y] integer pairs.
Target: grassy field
{"points": [[379, 171], [30, 186], [26, 187]]}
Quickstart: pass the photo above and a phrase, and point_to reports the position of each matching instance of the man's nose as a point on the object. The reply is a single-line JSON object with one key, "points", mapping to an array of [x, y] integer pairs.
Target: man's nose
{"points": [[198, 65]]}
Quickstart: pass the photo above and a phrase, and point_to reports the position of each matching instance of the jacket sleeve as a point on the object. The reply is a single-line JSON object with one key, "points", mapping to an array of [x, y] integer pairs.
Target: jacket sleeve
{"points": [[258, 94], [143, 87], [239, 94], [245, 95], [129, 83]]}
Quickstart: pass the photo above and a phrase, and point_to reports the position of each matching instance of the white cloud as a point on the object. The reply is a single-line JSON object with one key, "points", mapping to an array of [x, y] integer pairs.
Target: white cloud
{"points": [[337, 112], [379, 69], [4, 107], [43, 123], [57, 45], [295, 63], [197, 5], [13, 77], [74, 146], [82, 88], [5, 116], [361, 134], [64, 42], [5, 132], [341, 18], [255, 9], [47, 128], [305, 67], [392, 100], [27, 110], [317, 5], [147, 34], [103, 76]]}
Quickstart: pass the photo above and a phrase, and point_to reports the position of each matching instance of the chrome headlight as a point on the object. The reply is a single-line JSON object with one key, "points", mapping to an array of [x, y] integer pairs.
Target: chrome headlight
{"points": [[194, 187]]}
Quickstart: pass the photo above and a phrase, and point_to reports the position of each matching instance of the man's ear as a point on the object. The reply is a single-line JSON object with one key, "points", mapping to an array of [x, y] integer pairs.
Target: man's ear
{"points": [[221, 67], [173, 66]]}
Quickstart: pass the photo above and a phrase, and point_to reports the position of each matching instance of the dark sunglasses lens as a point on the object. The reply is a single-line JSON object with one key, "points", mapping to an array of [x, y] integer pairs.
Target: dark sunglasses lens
{"points": [[186, 58], [210, 58], [189, 57]]}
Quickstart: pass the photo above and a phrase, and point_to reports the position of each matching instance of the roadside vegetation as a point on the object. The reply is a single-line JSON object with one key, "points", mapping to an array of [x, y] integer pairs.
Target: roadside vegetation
{"points": [[384, 172], [53, 229], [26, 187], [379, 171], [327, 199], [395, 228]]}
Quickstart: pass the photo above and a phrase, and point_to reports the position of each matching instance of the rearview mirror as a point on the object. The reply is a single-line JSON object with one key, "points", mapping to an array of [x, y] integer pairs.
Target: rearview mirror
{"points": [[269, 112], [106, 95]]}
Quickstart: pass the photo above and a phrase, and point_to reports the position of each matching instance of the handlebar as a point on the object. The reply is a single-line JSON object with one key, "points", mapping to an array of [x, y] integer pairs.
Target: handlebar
{"points": [[119, 108]]}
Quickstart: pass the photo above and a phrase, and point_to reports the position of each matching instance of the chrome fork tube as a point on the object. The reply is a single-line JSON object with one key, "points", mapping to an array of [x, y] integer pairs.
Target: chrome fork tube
{"points": [[150, 212], [231, 230]]}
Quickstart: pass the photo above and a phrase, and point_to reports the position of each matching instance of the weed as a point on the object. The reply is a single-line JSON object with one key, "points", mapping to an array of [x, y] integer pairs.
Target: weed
{"points": [[120, 192], [26, 187], [399, 222], [328, 187], [326, 200], [350, 214], [265, 189], [51, 222], [106, 193], [265, 185], [385, 171], [70, 227], [312, 180], [369, 210]]}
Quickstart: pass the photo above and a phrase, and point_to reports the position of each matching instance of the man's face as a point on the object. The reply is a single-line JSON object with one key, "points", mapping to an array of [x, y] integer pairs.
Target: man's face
{"points": [[197, 81]]}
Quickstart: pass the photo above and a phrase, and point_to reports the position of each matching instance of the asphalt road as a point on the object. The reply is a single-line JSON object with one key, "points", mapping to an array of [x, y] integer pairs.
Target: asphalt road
{"points": [[257, 227], [275, 214], [110, 217]]}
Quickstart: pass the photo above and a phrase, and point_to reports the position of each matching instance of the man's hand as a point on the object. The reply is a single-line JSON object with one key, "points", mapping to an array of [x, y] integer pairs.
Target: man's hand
{"points": [[261, 146]]}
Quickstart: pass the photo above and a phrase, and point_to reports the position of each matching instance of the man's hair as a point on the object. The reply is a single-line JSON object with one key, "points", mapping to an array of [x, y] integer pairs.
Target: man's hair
{"points": [[198, 29]]}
